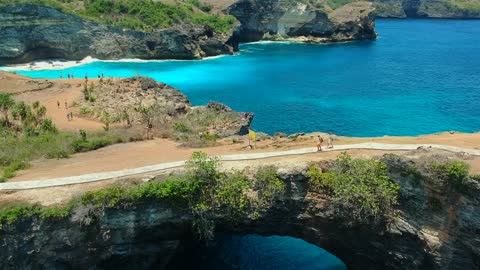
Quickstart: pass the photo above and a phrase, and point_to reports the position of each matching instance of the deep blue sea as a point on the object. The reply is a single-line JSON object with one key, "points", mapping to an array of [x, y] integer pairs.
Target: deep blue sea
{"points": [[420, 76], [255, 252]]}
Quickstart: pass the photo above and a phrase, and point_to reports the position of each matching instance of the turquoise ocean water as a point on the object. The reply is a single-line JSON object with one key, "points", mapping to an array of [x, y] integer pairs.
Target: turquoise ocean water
{"points": [[255, 252], [420, 76]]}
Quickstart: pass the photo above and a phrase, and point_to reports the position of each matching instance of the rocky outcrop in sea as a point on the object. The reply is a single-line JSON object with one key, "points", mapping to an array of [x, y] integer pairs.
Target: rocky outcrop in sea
{"points": [[284, 20]]}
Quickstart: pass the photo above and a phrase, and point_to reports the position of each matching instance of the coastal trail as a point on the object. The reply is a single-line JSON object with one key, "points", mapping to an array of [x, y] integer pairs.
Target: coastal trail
{"points": [[93, 177]]}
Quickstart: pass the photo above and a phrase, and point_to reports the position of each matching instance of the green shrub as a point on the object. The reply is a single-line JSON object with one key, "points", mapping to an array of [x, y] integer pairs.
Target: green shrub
{"points": [[56, 212], [181, 127], [452, 174], [203, 168], [86, 111], [231, 194], [109, 197], [361, 189], [175, 189], [85, 146], [10, 170], [12, 214], [268, 185]]}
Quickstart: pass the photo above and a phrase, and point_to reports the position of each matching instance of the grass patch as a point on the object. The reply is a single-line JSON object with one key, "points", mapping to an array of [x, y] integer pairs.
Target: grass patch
{"points": [[334, 4], [17, 151]]}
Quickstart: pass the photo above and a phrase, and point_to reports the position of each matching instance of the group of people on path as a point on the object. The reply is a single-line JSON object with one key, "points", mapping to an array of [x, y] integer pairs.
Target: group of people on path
{"points": [[69, 114], [71, 76], [320, 141]]}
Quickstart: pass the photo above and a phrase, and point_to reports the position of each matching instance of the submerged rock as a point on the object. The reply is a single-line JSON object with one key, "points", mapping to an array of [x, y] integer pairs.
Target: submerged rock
{"points": [[31, 32]]}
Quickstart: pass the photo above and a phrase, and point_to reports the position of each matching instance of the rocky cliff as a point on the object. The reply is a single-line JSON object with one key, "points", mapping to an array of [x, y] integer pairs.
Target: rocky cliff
{"points": [[142, 101], [291, 19], [427, 9], [433, 229], [31, 32]]}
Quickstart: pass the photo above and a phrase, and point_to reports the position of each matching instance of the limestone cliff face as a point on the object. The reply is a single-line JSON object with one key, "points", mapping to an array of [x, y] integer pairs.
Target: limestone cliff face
{"points": [[422, 9], [31, 32], [289, 20], [425, 235]]}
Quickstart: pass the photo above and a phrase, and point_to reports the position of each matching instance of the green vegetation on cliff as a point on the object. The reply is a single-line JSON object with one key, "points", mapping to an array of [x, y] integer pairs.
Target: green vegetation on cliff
{"points": [[462, 5], [145, 15], [208, 194], [361, 188]]}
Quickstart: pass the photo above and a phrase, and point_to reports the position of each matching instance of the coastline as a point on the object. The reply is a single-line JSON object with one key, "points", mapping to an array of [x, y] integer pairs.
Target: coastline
{"points": [[12, 78], [58, 64]]}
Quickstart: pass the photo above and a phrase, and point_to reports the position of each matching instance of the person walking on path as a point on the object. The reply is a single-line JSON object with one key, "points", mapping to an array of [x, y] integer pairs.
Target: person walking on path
{"points": [[66, 105], [319, 143], [71, 116], [58, 104], [329, 140]]}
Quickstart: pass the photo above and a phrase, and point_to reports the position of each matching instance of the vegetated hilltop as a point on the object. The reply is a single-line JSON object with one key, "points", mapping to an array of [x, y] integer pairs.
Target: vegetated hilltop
{"points": [[418, 211]]}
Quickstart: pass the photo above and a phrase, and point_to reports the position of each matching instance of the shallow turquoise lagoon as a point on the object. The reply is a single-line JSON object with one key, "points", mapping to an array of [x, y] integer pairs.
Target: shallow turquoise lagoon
{"points": [[420, 76]]}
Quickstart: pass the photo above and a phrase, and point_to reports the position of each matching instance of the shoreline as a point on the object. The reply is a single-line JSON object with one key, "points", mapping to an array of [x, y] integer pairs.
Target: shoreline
{"points": [[60, 64], [12, 76]]}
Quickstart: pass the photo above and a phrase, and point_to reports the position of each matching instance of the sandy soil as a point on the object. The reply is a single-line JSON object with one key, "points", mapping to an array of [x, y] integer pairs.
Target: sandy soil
{"points": [[131, 155]]}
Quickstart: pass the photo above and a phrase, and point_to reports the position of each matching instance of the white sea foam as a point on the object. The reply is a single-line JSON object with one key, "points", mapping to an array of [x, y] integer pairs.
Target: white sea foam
{"points": [[63, 64]]}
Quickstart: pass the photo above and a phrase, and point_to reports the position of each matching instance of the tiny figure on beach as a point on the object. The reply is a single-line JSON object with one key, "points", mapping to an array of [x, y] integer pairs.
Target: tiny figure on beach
{"points": [[102, 75], [68, 75], [58, 104], [319, 143], [86, 76], [61, 75], [330, 140]]}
